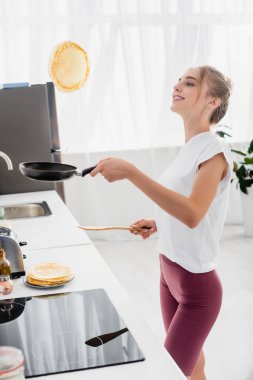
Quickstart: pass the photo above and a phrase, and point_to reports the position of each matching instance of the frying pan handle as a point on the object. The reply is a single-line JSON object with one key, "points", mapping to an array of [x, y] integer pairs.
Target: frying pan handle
{"points": [[87, 171]]}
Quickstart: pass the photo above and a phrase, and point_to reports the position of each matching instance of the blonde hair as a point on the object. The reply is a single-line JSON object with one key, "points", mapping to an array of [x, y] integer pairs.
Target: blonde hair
{"points": [[220, 86]]}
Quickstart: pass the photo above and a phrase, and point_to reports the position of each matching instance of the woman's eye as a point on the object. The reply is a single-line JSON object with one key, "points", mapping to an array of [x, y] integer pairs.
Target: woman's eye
{"points": [[189, 84]]}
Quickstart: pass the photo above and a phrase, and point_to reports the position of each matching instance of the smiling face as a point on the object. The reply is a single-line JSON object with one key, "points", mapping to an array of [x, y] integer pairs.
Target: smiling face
{"points": [[190, 95]]}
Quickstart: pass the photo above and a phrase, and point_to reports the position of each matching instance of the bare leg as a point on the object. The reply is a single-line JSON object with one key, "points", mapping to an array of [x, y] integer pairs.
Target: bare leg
{"points": [[198, 372]]}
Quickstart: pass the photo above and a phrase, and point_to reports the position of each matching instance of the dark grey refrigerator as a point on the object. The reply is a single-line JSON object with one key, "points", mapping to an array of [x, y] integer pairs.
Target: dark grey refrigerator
{"points": [[28, 132]]}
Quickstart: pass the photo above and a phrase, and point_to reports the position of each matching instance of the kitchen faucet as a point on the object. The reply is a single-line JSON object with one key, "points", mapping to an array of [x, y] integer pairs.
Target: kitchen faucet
{"points": [[7, 160]]}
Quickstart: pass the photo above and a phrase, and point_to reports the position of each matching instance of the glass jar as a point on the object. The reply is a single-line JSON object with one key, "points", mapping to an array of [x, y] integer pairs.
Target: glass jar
{"points": [[11, 363], [6, 285]]}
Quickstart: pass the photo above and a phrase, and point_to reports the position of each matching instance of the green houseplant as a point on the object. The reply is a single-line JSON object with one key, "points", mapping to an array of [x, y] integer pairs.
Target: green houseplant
{"points": [[244, 173], [244, 169]]}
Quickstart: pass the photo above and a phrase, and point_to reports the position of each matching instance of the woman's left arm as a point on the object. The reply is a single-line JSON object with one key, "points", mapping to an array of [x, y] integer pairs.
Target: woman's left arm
{"points": [[189, 210]]}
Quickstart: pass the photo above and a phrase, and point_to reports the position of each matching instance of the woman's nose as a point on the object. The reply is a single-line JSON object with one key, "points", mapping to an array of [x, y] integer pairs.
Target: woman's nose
{"points": [[177, 87]]}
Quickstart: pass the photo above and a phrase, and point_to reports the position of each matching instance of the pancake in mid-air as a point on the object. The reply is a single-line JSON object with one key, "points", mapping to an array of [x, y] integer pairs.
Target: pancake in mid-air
{"points": [[69, 66]]}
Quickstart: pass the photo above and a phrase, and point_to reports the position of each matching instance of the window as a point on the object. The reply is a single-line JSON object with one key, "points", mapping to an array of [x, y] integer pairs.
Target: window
{"points": [[137, 50]]}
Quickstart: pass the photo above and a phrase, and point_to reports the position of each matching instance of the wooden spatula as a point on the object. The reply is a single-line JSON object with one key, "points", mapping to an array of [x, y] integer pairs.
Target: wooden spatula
{"points": [[99, 228]]}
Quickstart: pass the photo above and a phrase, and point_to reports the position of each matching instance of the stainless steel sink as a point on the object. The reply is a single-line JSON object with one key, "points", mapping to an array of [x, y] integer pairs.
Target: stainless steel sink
{"points": [[24, 210]]}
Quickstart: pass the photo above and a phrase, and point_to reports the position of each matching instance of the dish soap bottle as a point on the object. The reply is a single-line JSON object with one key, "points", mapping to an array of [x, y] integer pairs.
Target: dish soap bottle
{"points": [[6, 284]]}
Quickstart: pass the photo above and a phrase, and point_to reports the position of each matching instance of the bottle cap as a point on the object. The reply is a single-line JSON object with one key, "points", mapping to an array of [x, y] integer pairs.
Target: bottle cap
{"points": [[4, 278]]}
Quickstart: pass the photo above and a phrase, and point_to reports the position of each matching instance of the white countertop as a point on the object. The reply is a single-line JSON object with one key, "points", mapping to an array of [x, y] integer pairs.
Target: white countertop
{"points": [[90, 272], [56, 230]]}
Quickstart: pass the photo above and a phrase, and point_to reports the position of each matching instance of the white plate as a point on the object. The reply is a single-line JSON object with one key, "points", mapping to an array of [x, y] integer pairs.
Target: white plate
{"points": [[46, 286]]}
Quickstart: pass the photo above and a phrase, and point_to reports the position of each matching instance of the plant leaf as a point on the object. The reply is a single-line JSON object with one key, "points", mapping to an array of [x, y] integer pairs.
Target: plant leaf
{"points": [[235, 168], [250, 149], [248, 160], [238, 152], [244, 183], [248, 182], [222, 134], [243, 189], [241, 172], [220, 130]]}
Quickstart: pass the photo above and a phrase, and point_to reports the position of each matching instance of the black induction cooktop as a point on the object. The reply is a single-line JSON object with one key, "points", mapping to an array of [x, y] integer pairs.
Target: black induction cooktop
{"points": [[67, 332]]}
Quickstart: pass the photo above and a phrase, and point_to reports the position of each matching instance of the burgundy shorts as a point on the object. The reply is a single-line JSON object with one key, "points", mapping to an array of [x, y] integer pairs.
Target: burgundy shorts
{"points": [[190, 304]]}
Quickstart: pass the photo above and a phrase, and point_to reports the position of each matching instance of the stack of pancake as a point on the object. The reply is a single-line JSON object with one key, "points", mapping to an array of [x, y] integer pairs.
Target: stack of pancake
{"points": [[49, 274]]}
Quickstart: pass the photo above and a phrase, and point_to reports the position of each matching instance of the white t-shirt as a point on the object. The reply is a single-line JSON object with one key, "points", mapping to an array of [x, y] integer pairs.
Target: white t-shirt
{"points": [[195, 249]]}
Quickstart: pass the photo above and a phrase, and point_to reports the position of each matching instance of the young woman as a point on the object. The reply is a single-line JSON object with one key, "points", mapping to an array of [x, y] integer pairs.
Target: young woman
{"points": [[192, 198]]}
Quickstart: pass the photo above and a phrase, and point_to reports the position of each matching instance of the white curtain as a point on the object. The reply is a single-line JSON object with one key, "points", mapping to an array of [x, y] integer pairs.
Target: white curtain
{"points": [[137, 50]]}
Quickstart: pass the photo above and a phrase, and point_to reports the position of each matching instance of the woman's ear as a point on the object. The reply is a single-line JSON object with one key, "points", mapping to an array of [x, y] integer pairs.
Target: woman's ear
{"points": [[214, 103]]}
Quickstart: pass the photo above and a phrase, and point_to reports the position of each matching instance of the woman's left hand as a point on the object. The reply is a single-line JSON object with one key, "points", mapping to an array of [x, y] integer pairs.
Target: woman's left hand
{"points": [[113, 169]]}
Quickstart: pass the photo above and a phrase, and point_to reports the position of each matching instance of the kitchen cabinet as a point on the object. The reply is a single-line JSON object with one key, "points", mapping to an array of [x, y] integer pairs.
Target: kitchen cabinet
{"points": [[91, 272]]}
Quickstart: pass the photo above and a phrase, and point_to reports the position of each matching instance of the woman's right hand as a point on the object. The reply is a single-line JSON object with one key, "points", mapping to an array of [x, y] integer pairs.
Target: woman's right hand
{"points": [[146, 232]]}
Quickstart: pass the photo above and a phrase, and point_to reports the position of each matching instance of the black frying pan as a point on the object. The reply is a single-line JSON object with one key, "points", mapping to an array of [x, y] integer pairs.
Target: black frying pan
{"points": [[51, 171]]}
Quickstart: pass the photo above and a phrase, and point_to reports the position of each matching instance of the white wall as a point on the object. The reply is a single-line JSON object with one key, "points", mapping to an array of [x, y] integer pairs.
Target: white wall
{"points": [[94, 201]]}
